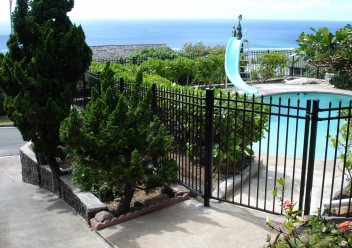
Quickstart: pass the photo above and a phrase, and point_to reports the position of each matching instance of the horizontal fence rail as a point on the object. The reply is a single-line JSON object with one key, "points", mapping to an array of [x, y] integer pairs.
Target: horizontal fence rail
{"points": [[233, 148]]}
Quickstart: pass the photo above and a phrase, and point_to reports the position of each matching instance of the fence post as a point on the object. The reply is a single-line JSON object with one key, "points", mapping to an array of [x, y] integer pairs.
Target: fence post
{"points": [[304, 155], [154, 107], [122, 85], [311, 158], [209, 141]]}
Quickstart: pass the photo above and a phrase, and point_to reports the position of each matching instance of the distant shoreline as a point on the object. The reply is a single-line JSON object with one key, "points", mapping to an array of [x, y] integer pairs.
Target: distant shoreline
{"points": [[109, 52]]}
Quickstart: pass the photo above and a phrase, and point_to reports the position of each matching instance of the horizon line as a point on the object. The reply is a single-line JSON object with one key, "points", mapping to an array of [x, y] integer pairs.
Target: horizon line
{"points": [[189, 18]]}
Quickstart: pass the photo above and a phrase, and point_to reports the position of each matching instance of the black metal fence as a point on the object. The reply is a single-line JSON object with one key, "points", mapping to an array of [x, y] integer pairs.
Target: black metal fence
{"points": [[233, 148]]}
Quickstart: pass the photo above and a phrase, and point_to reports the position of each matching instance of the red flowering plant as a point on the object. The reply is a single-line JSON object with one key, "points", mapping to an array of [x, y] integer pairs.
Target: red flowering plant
{"points": [[312, 231], [293, 219], [345, 226]]}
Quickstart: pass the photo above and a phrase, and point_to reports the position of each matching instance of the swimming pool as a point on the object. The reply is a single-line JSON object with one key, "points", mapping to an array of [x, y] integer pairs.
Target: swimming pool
{"points": [[286, 133]]}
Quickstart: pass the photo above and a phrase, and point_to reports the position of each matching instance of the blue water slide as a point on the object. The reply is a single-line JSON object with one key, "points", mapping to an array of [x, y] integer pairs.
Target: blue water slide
{"points": [[232, 62]]}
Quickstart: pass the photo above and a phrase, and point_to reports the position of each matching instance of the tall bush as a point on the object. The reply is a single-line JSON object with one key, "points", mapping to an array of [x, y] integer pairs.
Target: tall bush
{"points": [[47, 56], [118, 144]]}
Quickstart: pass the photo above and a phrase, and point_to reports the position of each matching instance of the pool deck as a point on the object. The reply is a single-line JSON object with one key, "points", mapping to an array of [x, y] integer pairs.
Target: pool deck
{"points": [[276, 88]]}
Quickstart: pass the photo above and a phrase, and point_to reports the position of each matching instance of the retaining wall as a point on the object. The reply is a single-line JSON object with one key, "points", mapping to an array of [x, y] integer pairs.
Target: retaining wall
{"points": [[84, 203]]}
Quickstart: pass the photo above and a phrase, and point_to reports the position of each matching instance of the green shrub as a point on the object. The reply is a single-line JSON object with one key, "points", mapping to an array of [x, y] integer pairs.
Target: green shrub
{"points": [[271, 65], [180, 70], [154, 52], [198, 49], [342, 80], [155, 67], [117, 142], [313, 231], [127, 72], [185, 71], [210, 69]]}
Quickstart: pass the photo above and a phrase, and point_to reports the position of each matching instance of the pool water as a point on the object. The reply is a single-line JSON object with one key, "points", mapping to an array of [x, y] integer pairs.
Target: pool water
{"points": [[324, 98], [279, 125]]}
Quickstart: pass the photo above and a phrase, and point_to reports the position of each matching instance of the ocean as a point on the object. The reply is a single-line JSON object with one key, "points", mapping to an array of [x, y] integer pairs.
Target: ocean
{"points": [[175, 33]]}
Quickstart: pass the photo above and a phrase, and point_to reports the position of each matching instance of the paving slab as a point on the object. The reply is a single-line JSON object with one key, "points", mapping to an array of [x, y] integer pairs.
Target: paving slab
{"points": [[190, 224]]}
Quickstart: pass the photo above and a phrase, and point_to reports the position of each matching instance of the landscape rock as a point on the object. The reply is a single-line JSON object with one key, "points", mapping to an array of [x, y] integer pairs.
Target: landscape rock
{"points": [[103, 216], [174, 190]]}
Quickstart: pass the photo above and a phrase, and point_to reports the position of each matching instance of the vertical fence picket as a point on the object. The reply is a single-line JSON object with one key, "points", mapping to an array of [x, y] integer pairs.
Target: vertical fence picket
{"points": [[209, 141]]}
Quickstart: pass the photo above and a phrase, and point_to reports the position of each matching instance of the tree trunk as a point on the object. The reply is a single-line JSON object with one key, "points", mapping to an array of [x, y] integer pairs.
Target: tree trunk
{"points": [[56, 173], [125, 203]]}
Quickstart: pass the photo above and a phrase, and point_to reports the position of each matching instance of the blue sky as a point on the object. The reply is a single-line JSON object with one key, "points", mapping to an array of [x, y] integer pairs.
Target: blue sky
{"points": [[208, 9]]}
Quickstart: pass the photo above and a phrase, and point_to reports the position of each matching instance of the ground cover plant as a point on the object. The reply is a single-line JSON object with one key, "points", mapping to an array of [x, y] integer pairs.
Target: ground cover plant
{"points": [[312, 231], [118, 144]]}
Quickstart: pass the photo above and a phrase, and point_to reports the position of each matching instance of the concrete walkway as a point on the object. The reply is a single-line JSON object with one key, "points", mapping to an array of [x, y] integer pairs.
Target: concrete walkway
{"points": [[33, 217], [190, 224]]}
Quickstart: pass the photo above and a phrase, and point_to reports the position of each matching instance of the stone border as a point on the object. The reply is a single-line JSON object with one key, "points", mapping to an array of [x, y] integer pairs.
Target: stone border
{"points": [[96, 226], [84, 203]]}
